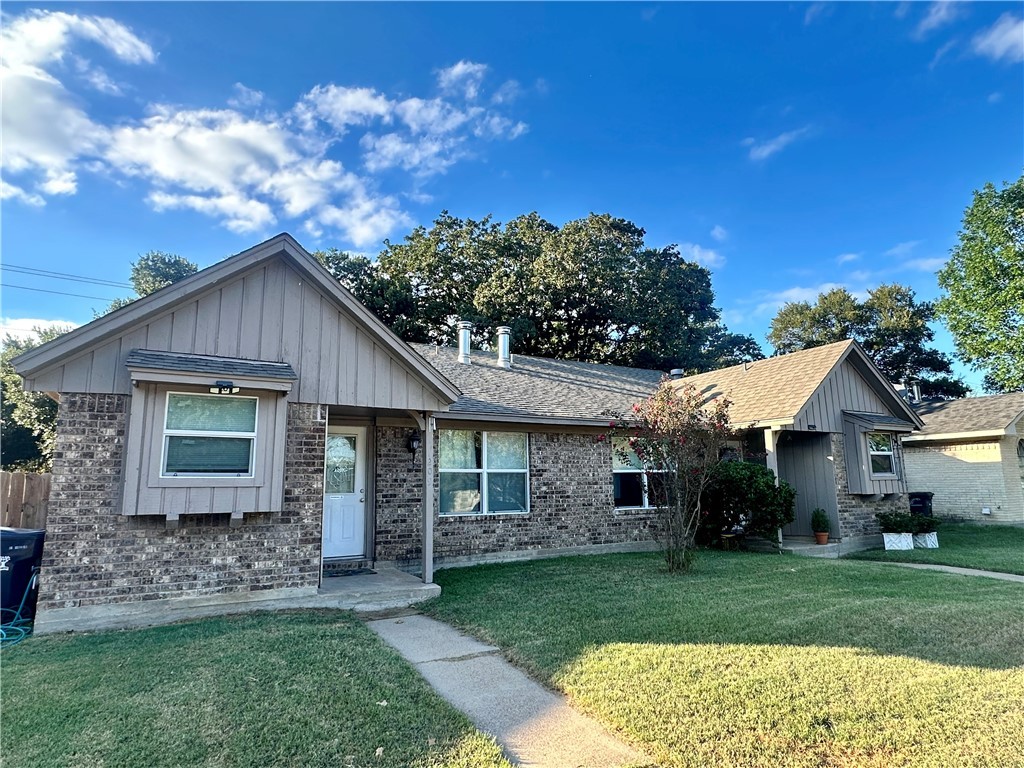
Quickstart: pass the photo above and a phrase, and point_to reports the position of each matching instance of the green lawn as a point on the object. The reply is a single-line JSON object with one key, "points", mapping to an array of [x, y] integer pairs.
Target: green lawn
{"points": [[766, 660], [294, 689], [967, 545]]}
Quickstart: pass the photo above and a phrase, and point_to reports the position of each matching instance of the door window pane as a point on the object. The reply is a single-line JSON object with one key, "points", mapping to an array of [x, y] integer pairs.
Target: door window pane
{"points": [[506, 450], [208, 455], [205, 413], [506, 491], [340, 475], [460, 449], [460, 493]]}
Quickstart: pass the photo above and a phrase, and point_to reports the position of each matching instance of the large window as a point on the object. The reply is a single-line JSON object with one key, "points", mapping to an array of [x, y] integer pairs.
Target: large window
{"points": [[483, 472], [880, 451], [208, 435], [631, 481]]}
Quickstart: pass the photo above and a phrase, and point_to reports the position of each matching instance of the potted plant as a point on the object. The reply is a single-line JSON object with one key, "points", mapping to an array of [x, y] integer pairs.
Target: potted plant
{"points": [[925, 536], [897, 529], [821, 525]]}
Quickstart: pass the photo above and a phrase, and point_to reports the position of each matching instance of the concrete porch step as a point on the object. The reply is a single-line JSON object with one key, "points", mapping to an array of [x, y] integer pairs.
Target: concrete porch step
{"points": [[385, 589], [801, 547]]}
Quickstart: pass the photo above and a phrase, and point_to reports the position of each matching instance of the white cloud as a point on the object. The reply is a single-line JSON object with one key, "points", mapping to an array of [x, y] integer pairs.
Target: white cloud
{"points": [[719, 233], [701, 255], [241, 164], [25, 327], [995, 97], [509, 91], [903, 249], [770, 302], [1003, 41], [844, 258], [10, 191], [245, 98], [341, 107], [814, 10], [940, 54], [939, 15], [926, 265], [764, 149], [463, 77]]}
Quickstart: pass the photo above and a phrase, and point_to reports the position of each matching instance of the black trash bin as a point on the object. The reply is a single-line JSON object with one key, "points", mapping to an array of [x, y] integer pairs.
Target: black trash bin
{"points": [[921, 503], [21, 553]]}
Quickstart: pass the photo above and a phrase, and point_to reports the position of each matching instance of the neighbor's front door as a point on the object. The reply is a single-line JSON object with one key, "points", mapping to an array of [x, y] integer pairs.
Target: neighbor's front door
{"points": [[345, 493]]}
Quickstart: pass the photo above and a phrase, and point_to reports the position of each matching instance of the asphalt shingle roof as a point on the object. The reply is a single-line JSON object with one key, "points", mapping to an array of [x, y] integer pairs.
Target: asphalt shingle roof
{"points": [[535, 388], [971, 414], [771, 389], [215, 366]]}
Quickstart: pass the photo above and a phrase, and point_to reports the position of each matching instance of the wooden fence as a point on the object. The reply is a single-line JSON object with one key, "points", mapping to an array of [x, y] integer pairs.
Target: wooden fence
{"points": [[23, 499]]}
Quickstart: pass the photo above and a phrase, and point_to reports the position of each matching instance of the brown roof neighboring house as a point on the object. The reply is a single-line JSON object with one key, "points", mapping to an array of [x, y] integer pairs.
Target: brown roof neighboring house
{"points": [[783, 390], [991, 416]]}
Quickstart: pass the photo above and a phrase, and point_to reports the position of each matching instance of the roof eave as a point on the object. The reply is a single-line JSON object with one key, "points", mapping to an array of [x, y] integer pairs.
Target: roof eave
{"points": [[978, 434]]}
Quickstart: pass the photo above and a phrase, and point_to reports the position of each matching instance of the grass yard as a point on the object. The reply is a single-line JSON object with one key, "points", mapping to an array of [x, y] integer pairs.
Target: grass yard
{"points": [[766, 660], [966, 545], [293, 689]]}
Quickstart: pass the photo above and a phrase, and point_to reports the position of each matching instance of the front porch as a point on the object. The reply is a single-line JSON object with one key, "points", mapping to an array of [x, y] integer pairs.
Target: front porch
{"points": [[384, 589]]}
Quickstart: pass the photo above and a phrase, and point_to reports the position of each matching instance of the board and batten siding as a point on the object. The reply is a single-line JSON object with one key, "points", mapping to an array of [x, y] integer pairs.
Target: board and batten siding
{"points": [[805, 463], [844, 389], [270, 313]]}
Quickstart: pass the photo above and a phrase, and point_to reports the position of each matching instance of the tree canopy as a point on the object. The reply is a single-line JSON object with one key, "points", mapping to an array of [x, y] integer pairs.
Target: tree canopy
{"points": [[151, 272], [983, 304], [891, 325], [591, 290]]}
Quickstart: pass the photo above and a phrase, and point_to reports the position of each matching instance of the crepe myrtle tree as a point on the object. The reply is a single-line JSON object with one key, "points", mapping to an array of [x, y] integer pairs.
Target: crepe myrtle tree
{"points": [[678, 438]]}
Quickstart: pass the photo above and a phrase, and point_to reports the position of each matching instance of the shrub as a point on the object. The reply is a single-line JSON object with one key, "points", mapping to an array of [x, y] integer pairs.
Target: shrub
{"points": [[820, 522], [742, 494], [896, 522], [922, 524]]}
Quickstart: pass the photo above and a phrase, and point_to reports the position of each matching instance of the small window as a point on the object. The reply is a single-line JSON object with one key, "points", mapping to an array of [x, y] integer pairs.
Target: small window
{"points": [[209, 435], [483, 472], [880, 451], [631, 481]]}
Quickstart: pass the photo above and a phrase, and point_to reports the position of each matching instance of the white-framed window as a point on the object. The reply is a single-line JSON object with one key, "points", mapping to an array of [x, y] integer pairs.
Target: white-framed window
{"points": [[881, 453], [631, 481], [483, 472], [208, 435]]}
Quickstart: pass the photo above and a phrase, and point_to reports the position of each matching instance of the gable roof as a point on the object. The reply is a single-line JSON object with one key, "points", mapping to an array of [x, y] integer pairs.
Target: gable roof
{"points": [[284, 246], [776, 390], [972, 416], [538, 389]]}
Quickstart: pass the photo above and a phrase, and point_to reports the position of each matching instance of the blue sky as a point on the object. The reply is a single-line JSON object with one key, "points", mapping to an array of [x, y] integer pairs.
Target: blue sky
{"points": [[790, 147]]}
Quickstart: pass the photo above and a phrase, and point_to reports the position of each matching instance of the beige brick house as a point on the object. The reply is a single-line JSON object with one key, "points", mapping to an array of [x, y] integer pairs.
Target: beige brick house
{"points": [[970, 454], [251, 429]]}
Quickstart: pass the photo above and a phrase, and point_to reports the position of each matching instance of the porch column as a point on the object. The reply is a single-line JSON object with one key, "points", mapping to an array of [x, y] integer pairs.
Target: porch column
{"points": [[771, 458], [428, 498]]}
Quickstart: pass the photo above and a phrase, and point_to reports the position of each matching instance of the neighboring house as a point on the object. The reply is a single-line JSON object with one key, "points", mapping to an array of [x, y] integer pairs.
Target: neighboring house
{"points": [[970, 454], [827, 422], [236, 434]]}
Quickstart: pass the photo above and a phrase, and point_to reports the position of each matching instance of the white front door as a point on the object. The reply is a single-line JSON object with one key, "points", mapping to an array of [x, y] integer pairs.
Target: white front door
{"points": [[345, 492]]}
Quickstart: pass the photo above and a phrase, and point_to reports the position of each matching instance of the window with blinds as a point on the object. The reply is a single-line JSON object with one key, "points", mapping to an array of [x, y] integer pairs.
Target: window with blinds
{"points": [[209, 435]]}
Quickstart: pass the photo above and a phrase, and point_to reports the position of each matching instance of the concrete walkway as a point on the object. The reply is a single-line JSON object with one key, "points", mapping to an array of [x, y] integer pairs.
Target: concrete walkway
{"points": [[535, 726], [959, 571]]}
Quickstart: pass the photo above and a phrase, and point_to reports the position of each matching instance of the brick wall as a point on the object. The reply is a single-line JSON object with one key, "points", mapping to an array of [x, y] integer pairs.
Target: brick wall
{"points": [[95, 555], [571, 503], [968, 476], [857, 512]]}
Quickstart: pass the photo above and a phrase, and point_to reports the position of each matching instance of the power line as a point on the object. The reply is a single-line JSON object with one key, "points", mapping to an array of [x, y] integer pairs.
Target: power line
{"points": [[59, 293], [62, 275]]}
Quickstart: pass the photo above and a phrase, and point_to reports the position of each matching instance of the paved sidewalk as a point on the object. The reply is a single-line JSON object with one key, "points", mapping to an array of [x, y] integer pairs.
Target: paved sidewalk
{"points": [[535, 726], [960, 571]]}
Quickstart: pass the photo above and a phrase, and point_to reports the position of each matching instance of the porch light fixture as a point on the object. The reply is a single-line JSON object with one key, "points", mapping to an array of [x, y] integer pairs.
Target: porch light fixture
{"points": [[414, 441], [223, 388]]}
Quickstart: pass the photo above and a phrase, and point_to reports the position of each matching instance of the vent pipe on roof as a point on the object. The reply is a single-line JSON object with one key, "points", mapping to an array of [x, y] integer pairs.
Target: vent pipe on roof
{"points": [[504, 346], [465, 332], [675, 373]]}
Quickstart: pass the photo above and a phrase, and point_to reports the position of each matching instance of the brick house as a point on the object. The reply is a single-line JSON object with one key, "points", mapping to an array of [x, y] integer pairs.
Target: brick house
{"points": [[970, 454], [243, 432]]}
